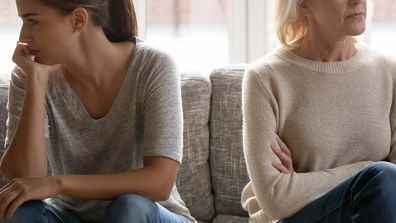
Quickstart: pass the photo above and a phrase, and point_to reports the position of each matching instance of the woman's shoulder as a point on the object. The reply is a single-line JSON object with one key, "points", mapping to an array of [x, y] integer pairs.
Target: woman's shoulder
{"points": [[18, 74], [148, 51], [267, 65], [377, 56]]}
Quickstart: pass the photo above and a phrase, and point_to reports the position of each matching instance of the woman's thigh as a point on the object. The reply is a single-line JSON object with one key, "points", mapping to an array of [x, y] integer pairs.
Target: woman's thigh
{"points": [[41, 211], [131, 208], [368, 196]]}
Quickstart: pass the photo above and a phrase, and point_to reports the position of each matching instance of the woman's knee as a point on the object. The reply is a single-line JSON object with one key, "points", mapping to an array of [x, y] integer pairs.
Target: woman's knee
{"points": [[384, 169], [378, 174], [135, 206]]}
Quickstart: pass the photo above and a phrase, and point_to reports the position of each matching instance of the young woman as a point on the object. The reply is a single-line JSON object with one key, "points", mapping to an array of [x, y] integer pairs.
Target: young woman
{"points": [[103, 110], [319, 121]]}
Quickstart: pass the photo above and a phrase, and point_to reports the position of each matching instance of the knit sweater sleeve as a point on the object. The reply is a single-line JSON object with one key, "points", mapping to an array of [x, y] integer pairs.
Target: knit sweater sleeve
{"points": [[278, 195]]}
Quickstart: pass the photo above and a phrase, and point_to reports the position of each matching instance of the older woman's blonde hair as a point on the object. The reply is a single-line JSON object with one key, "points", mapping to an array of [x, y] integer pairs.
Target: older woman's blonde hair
{"points": [[291, 26]]}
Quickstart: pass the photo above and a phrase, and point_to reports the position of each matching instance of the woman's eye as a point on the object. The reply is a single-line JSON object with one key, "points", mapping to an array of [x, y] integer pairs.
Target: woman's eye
{"points": [[32, 22]]}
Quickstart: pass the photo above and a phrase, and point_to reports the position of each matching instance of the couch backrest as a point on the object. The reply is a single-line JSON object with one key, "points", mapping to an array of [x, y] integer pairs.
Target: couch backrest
{"points": [[3, 119], [193, 181], [3, 114], [227, 163]]}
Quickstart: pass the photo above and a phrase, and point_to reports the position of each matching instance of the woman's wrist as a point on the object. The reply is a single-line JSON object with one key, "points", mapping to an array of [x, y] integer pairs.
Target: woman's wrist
{"points": [[57, 181], [37, 82]]}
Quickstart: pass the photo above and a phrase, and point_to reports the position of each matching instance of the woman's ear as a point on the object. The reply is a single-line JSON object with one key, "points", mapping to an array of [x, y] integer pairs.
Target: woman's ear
{"points": [[80, 18], [305, 9]]}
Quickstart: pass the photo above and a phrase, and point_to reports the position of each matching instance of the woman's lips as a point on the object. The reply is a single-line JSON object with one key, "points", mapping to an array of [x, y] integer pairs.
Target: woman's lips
{"points": [[356, 15], [33, 51]]}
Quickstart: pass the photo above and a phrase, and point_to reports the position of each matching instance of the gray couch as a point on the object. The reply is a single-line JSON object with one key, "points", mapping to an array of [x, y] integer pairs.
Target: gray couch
{"points": [[213, 172]]}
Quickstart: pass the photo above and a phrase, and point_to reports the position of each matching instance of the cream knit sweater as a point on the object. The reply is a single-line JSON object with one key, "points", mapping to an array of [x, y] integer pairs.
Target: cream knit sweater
{"points": [[336, 118]]}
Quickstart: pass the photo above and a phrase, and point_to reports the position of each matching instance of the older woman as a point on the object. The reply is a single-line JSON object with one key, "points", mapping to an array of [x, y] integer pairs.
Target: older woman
{"points": [[319, 120]]}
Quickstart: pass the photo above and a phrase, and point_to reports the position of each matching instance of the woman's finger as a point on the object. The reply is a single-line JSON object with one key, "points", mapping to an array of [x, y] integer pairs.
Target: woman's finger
{"points": [[280, 167], [17, 201], [284, 158], [25, 49], [289, 161], [6, 198], [283, 146], [20, 54]]}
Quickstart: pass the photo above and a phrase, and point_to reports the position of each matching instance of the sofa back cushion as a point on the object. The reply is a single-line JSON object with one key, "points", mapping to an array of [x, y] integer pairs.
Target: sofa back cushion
{"points": [[228, 169], [193, 180], [3, 114], [3, 119]]}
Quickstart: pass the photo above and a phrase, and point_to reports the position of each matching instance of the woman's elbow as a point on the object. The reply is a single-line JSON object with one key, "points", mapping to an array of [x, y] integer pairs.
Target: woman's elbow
{"points": [[9, 172], [4, 171], [163, 174], [278, 209], [163, 191]]}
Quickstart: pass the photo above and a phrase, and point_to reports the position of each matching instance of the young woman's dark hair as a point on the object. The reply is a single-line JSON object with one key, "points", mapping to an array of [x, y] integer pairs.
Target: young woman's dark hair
{"points": [[117, 17]]}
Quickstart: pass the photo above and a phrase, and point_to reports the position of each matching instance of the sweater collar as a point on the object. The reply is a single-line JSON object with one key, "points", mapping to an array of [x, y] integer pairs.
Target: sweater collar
{"points": [[345, 66]]}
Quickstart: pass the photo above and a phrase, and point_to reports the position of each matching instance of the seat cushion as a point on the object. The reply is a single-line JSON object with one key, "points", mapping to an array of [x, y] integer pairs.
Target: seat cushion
{"points": [[193, 180], [228, 169], [230, 219]]}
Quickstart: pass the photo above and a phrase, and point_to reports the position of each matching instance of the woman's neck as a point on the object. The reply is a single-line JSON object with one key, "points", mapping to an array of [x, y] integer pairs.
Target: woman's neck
{"points": [[98, 61], [322, 48]]}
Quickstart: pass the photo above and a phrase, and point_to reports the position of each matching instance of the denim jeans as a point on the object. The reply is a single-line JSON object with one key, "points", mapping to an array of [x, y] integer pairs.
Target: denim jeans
{"points": [[367, 197], [123, 209]]}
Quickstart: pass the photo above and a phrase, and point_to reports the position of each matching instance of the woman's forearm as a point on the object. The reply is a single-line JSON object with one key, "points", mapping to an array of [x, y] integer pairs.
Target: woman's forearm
{"points": [[154, 182], [26, 156]]}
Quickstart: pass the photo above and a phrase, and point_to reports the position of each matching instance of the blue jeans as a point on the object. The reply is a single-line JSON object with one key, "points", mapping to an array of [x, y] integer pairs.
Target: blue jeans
{"points": [[366, 197], [123, 209]]}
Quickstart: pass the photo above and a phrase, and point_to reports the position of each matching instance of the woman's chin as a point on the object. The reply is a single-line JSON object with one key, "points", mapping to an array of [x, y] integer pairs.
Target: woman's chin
{"points": [[44, 61], [357, 30]]}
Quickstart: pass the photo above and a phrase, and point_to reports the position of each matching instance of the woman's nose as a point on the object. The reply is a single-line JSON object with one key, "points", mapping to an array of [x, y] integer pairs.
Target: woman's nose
{"points": [[354, 2], [24, 35]]}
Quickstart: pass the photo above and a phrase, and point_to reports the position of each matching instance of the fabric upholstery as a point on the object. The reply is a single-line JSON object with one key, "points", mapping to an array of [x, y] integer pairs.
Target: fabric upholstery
{"points": [[228, 169], [230, 219], [3, 118], [3, 113], [193, 180]]}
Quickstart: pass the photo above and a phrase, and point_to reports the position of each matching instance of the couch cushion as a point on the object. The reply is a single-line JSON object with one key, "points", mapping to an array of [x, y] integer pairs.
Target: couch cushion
{"points": [[228, 169], [230, 219], [3, 113], [3, 118], [193, 180]]}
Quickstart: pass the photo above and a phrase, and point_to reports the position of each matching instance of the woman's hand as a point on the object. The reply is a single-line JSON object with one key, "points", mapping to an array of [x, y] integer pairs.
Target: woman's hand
{"points": [[25, 60], [280, 149], [18, 191]]}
